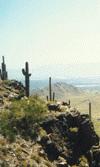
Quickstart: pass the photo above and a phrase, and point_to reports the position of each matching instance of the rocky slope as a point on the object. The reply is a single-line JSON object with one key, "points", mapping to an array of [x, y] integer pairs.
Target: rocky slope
{"points": [[65, 139], [61, 141], [10, 90]]}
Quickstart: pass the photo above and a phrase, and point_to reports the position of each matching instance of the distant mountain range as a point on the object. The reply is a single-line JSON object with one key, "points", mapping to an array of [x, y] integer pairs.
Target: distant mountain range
{"points": [[79, 75], [62, 90]]}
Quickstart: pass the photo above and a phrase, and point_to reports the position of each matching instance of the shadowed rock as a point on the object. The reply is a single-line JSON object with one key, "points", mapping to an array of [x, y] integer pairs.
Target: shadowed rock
{"points": [[70, 136]]}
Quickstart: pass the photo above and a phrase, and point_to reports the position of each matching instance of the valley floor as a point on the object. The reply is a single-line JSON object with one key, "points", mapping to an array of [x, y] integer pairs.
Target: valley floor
{"points": [[81, 102]]}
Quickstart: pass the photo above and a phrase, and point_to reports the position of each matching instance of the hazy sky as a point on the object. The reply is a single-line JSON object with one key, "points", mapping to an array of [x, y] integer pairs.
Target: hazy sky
{"points": [[46, 32]]}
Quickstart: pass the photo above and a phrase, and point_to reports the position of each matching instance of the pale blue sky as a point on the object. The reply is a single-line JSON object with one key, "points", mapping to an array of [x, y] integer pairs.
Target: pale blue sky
{"points": [[46, 32]]}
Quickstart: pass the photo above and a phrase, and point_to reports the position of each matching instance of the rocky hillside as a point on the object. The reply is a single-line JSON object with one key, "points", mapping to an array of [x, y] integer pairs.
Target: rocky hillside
{"points": [[10, 90], [31, 136], [66, 140], [62, 90]]}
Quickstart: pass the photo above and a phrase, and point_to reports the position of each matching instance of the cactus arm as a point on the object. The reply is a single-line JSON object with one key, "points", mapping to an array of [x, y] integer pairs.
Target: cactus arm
{"points": [[23, 71]]}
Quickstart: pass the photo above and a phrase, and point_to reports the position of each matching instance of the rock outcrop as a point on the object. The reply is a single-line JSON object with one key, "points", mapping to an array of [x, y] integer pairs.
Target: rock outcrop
{"points": [[69, 136], [10, 90], [66, 140]]}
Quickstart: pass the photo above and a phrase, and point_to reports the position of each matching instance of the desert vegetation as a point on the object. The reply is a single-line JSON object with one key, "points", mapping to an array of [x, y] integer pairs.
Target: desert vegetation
{"points": [[21, 117]]}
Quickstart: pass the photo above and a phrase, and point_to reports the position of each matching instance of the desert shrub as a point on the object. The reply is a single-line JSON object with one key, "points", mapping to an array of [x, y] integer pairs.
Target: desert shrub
{"points": [[22, 118], [7, 82], [6, 127], [32, 108]]}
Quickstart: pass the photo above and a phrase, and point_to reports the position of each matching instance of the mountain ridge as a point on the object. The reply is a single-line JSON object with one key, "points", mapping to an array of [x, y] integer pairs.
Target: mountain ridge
{"points": [[62, 90]]}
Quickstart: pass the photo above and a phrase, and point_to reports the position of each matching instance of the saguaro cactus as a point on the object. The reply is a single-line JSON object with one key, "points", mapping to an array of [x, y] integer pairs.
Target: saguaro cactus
{"points": [[53, 96], [69, 102], [50, 89], [90, 110], [0, 74], [47, 98], [3, 72], [27, 82]]}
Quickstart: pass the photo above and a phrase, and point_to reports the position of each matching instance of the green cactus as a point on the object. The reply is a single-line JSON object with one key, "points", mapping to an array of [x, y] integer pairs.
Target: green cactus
{"points": [[47, 98], [69, 102], [53, 96], [3, 72], [50, 89], [0, 74], [27, 82]]}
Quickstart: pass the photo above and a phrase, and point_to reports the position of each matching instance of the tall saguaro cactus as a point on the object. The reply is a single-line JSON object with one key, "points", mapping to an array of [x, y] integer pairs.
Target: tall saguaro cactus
{"points": [[50, 89], [3, 72], [53, 96], [27, 81]]}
